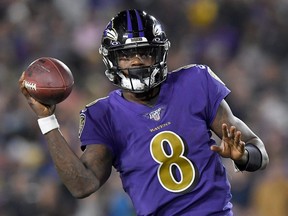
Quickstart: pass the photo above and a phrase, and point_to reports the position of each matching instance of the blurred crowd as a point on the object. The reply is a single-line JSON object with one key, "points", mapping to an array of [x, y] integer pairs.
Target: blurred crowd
{"points": [[244, 42]]}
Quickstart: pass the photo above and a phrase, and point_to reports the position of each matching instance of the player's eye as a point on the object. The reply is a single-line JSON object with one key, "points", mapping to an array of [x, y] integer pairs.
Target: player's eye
{"points": [[123, 54], [127, 54], [146, 52]]}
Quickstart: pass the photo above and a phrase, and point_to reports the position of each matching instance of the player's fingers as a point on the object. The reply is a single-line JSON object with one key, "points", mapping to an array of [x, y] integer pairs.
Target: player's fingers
{"points": [[232, 132], [215, 148], [239, 144], [31, 101], [224, 131], [237, 137], [20, 81], [242, 146], [23, 88], [24, 91]]}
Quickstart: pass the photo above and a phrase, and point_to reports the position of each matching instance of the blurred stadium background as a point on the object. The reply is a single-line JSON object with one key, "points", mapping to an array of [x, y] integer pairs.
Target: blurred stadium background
{"points": [[244, 42]]}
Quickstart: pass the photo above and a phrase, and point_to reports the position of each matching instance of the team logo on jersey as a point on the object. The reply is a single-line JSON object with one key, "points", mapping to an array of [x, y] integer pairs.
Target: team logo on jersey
{"points": [[155, 114], [81, 123]]}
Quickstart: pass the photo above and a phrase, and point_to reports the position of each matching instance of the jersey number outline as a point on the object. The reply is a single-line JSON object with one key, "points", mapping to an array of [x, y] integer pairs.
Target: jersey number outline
{"points": [[168, 162]]}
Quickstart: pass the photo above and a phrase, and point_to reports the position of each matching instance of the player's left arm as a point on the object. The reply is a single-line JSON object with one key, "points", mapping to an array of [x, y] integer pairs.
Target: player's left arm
{"points": [[238, 142]]}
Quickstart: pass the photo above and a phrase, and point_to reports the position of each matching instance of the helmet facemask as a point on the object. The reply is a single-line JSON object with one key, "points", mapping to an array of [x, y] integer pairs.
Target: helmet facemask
{"points": [[137, 79]]}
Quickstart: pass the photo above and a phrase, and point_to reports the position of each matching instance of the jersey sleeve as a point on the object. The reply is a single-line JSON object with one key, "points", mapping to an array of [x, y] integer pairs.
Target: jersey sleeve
{"points": [[94, 127], [217, 91]]}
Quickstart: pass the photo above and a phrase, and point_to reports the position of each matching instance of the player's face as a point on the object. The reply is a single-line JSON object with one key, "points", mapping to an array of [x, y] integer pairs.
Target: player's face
{"points": [[139, 57]]}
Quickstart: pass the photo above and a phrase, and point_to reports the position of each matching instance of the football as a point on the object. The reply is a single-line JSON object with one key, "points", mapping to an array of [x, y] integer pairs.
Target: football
{"points": [[48, 80]]}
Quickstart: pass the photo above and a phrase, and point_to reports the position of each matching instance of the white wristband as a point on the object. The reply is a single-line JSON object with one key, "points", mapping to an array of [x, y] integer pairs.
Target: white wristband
{"points": [[48, 123]]}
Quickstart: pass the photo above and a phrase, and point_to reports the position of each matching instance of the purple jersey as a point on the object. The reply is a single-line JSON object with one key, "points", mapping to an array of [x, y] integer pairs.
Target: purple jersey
{"points": [[163, 152]]}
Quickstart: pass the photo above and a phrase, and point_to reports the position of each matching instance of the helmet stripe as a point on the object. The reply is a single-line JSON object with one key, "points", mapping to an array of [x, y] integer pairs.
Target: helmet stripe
{"points": [[129, 25], [140, 24]]}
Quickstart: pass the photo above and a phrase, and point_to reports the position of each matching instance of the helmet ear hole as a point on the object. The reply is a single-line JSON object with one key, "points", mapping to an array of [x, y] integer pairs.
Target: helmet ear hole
{"points": [[135, 29]]}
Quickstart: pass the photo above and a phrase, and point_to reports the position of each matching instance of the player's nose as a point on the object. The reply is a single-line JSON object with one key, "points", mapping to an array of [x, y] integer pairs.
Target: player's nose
{"points": [[136, 60]]}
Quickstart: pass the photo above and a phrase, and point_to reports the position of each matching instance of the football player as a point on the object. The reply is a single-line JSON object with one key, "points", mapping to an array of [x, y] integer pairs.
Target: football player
{"points": [[155, 129]]}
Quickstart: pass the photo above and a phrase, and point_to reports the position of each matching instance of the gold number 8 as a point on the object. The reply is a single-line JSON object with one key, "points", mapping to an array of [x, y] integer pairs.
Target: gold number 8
{"points": [[168, 162]]}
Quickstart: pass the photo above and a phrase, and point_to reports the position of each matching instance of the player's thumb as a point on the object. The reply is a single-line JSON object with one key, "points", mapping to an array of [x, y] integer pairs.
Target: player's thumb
{"points": [[215, 148]]}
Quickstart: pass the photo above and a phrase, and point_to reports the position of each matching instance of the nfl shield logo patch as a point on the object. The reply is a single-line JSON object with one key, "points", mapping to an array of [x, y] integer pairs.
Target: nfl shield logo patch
{"points": [[155, 114]]}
